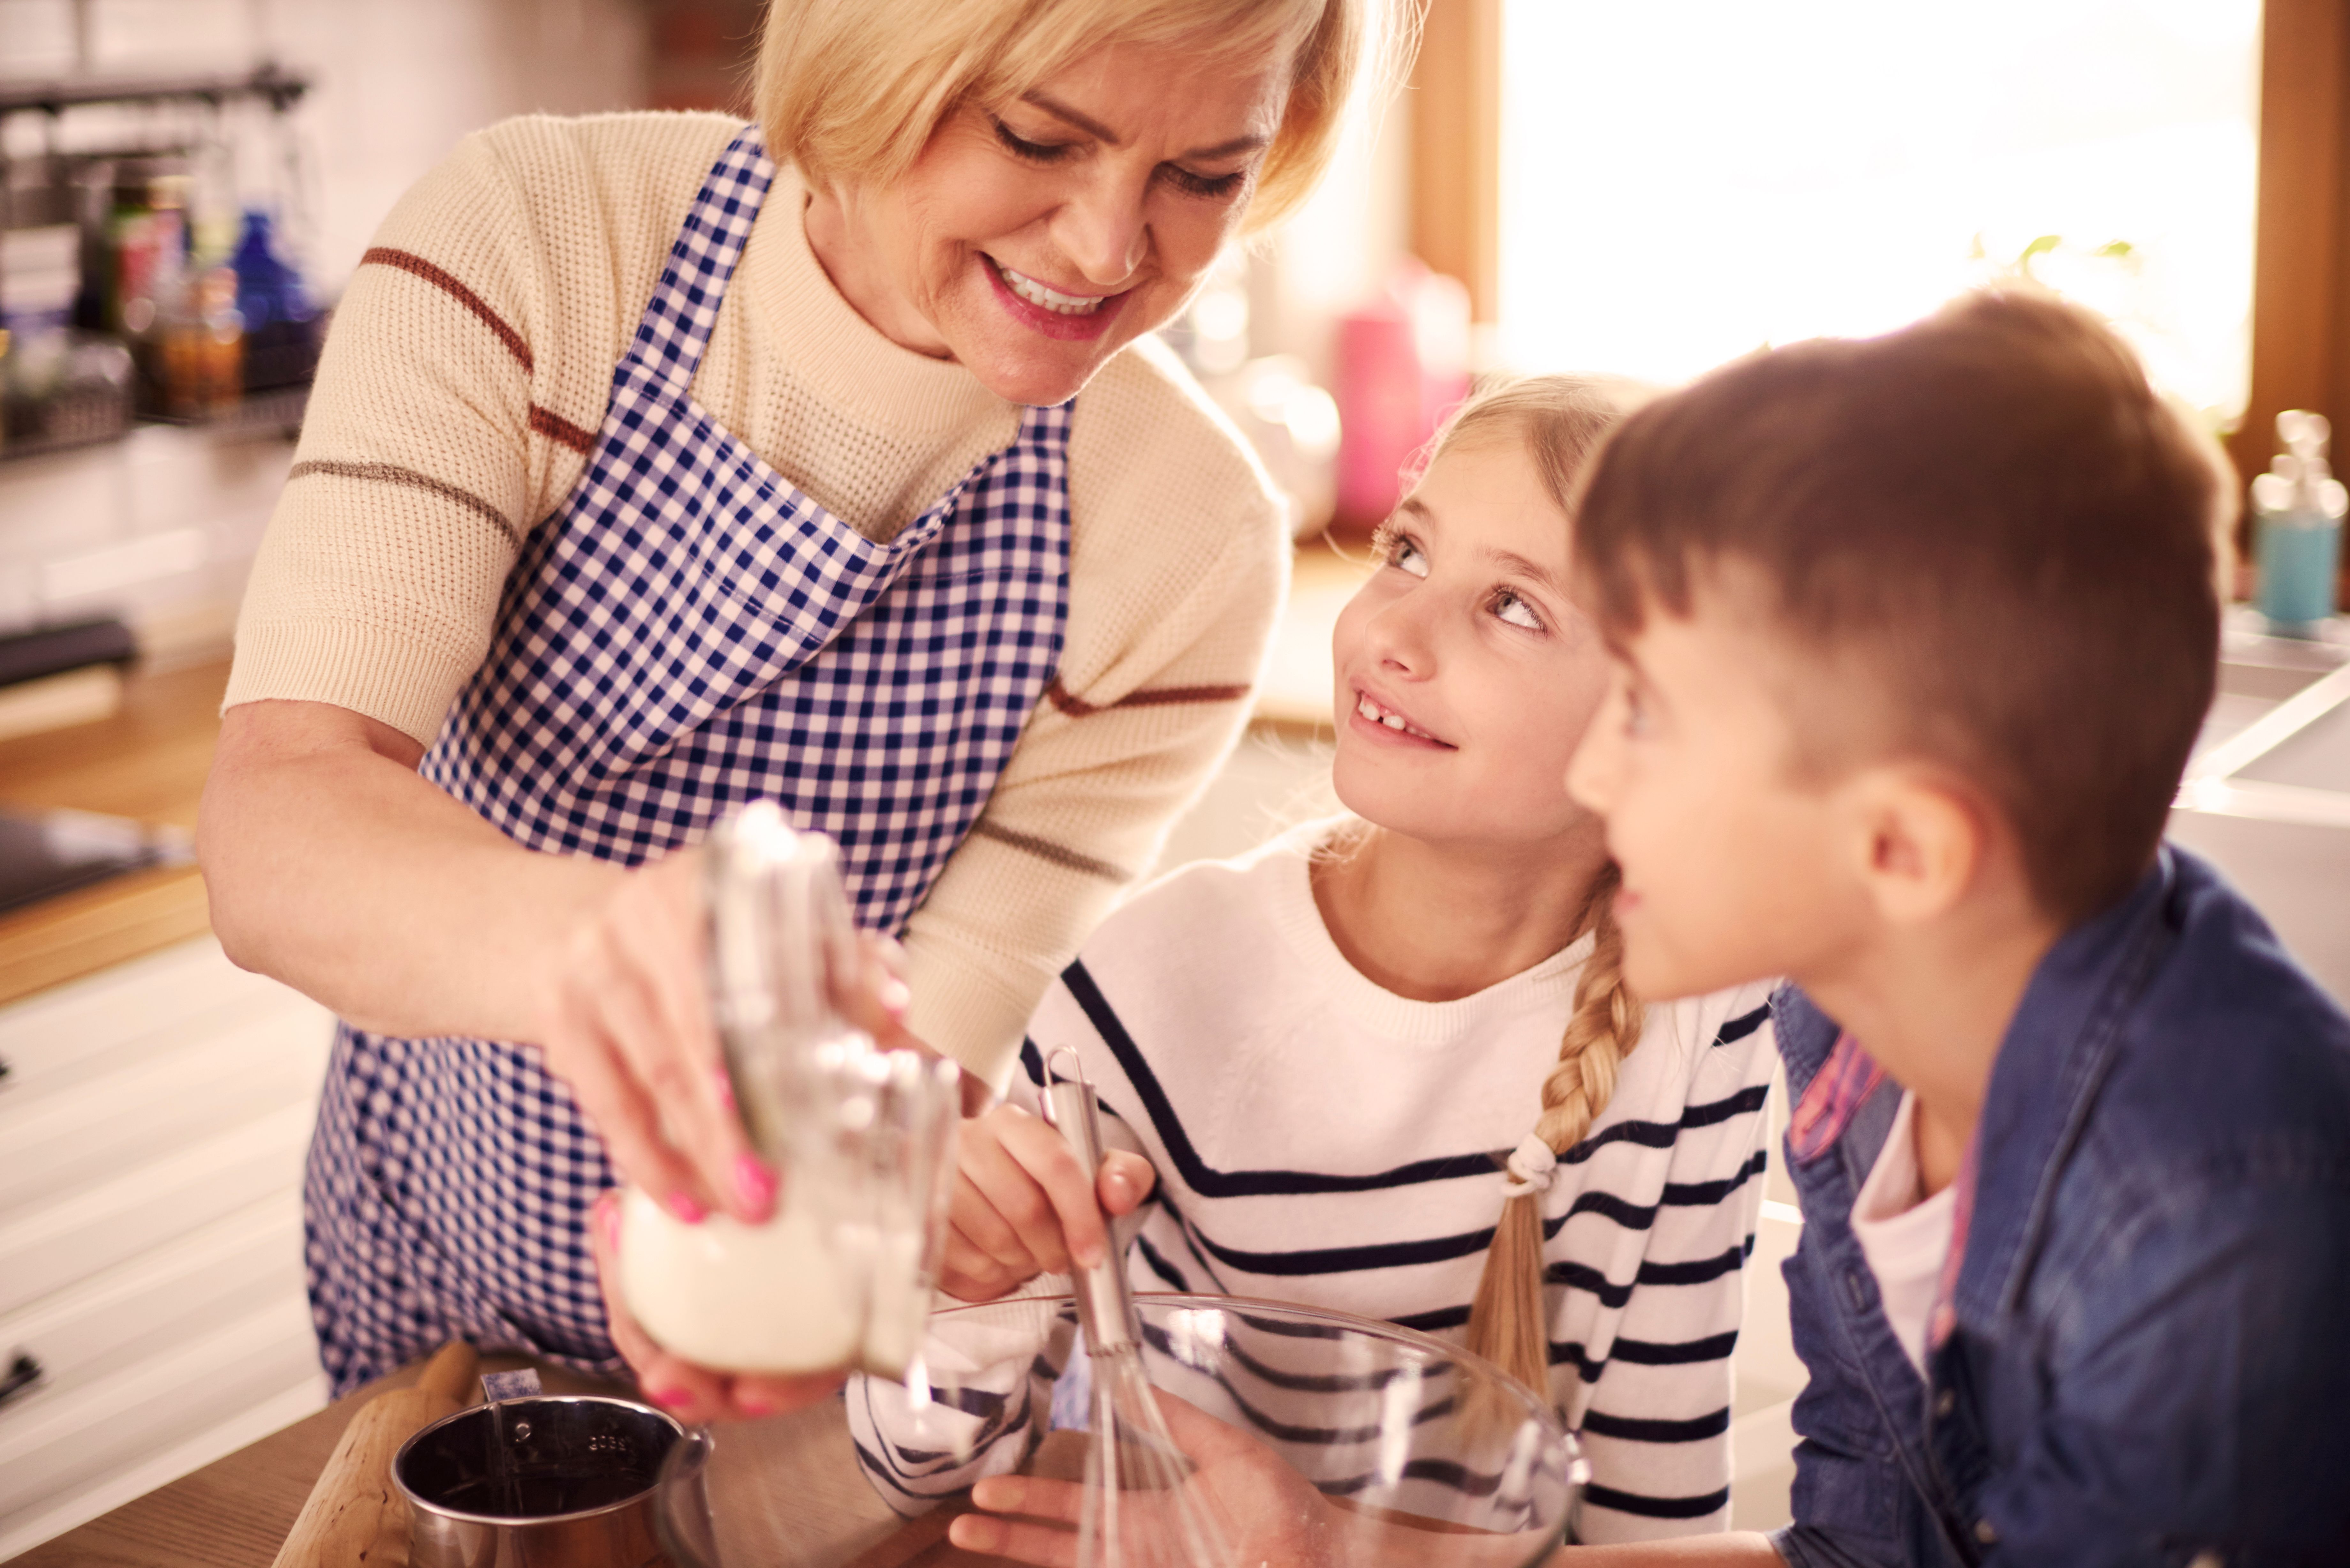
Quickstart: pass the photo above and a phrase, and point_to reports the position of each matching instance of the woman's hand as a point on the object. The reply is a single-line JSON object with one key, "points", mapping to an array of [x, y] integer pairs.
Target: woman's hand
{"points": [[627, 1025], [692, 1393], [1023, 1207]]}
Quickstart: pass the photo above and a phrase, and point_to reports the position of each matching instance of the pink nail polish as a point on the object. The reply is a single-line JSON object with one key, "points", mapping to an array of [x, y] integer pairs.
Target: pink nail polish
{"points": [[752, 1405], [755, 1183], [686, 1208], [896, 997], [725, 1089], [667, 1398]]}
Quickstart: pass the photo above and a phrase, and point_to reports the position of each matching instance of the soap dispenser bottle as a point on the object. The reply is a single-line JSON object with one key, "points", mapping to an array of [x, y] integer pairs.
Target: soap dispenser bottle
{"points": [[2297, 509]]}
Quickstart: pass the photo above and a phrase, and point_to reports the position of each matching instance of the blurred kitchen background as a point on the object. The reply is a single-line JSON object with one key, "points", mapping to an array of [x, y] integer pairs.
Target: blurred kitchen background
{"points": [[1647, 188]]}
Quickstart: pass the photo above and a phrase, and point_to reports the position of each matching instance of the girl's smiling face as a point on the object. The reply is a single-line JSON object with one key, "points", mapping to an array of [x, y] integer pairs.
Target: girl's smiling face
{"points": [[1033, 239], [1465, 675]]}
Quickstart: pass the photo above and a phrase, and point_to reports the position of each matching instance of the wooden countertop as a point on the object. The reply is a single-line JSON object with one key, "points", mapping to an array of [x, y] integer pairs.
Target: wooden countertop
{"points": [[1298, 675], [148, 761], [234, 1513]]}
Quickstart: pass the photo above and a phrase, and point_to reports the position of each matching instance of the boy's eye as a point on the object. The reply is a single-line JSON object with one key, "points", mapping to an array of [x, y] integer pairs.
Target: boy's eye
{"points": [[1510, 607], [1033, 151]]}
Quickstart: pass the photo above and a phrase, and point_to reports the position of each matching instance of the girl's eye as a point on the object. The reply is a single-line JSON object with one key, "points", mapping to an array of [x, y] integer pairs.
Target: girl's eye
{"points": [[1510, 607], [1398, 550], [1021, 146], [1210, 186]]}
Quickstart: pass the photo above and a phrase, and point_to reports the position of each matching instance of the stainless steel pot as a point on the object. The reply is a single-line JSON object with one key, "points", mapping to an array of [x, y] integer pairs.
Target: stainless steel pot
{"points": [[535, 1482]]}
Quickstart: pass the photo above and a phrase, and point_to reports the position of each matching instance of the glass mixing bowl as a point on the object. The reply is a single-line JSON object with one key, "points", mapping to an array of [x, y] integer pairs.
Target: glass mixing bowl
{"points": [[1310, 1439]]}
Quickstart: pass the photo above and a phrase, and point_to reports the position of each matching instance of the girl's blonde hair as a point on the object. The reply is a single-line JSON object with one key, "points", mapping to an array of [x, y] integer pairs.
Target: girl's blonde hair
{"points": [[851, 89], [1561, 420]]}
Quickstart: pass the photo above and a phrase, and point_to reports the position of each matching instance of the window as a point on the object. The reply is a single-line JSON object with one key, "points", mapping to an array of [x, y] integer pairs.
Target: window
{"points": [[1682, 183]]}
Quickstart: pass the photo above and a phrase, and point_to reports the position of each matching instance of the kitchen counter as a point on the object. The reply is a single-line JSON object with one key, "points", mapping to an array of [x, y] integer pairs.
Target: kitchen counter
{"points": [[148, 761], [234, 1513]]}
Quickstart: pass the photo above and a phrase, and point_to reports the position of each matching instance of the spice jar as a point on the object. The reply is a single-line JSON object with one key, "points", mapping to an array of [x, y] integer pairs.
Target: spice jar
{"points": [[203, 347]]}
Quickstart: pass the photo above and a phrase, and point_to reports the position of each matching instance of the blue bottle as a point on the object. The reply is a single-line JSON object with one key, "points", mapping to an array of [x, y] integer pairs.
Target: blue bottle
{"points": [[2297, 507], [268, 290]]}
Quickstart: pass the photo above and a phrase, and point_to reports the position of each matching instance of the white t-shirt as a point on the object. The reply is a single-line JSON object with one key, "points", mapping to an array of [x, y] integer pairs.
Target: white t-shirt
{"points": [[1904, 1237]]}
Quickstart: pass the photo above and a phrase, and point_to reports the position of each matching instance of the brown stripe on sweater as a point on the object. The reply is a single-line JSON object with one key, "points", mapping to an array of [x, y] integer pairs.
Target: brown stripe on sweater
{"points": [[392, 473], [1076, 707], [1046, 849], [416, 265], [557, 428]]}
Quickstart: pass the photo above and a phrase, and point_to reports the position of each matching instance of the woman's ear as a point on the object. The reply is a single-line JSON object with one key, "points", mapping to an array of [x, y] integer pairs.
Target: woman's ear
{"points": [[1922, 841]]}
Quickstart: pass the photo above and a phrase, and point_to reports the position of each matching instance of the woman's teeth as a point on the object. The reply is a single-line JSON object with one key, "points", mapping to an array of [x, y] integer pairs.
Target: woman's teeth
{"points": [[1379, 715], [1051, 299]]}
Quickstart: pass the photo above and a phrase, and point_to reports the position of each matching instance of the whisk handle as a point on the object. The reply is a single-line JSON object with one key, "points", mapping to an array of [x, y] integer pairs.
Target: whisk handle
{"points": [[1104, 1301]]}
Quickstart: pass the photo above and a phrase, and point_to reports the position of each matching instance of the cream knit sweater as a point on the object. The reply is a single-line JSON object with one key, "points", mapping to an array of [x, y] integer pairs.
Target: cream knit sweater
{"points": [[470, 366]]}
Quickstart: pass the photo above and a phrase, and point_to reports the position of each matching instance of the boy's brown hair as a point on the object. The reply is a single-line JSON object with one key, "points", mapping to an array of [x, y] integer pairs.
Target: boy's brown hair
{"points": [[1989, 517]]}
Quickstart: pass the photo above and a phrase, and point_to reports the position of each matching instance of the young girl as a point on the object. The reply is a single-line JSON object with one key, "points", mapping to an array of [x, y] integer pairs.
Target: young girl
{"points": [[1388, 1064]]}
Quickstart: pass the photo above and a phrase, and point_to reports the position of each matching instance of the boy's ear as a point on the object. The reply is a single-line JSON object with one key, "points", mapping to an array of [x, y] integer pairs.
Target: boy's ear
{"points": [[1919, 843]]}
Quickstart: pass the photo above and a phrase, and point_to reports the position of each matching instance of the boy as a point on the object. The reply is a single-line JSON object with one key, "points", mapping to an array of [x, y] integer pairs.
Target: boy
{"points": [[1914, 636]]}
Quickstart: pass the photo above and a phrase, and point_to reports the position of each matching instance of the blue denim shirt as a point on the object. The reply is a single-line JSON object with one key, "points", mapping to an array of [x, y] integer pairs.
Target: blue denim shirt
{"points": [[2150, 1358]]}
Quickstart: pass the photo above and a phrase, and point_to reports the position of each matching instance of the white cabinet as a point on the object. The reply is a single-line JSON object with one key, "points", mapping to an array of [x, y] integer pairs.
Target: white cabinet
{"points": [[152, 1125]]}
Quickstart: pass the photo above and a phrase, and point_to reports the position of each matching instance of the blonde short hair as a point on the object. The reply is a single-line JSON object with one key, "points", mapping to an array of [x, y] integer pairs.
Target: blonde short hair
{"points": [[851, 89]]}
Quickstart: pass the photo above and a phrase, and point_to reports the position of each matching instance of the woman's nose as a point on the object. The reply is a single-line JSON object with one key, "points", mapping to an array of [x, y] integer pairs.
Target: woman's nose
{"points": [[1104, 230]]}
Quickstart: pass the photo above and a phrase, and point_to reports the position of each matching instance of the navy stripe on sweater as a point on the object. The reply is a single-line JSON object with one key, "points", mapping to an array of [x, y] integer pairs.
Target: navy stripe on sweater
{"points": [[1210, 1182]]}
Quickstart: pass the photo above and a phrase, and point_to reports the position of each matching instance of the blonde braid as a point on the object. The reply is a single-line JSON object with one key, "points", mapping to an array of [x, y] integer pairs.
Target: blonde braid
{"points": [[1507, 1325]]}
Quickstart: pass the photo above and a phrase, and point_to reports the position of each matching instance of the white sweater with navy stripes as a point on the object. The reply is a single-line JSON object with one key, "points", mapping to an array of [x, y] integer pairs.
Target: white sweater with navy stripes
{"points": [[1320, 1140]]}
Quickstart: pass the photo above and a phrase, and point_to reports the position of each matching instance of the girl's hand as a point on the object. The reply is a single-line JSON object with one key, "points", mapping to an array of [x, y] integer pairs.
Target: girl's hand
{"points": [[1266, 1511], [1023, 1207], [692, 1393]]}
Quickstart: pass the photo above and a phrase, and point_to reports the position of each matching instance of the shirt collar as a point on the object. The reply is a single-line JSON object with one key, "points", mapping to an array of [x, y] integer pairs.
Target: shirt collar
{"points": [[2056, 1052]]}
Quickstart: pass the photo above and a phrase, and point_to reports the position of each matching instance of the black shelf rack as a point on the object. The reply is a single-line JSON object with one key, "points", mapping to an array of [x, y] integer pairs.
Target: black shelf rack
{"points": [[279, 88], [275, 410]]}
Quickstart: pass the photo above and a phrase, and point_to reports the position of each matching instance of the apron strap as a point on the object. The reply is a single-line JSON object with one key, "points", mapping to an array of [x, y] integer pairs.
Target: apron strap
{"points": [[676, 324]]}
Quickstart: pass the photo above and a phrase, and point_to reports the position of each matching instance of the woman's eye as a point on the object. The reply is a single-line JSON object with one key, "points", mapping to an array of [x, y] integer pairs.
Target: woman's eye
{"points": [[1211, 186], [1510, 607], [1033, 151]]}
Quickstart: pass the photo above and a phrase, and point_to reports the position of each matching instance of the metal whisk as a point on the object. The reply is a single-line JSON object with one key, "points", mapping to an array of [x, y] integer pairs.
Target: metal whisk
{"points": [[1137, 1512]]}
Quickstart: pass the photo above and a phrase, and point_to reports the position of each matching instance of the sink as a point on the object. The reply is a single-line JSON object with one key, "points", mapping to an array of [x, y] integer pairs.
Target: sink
{"points": [[2267, 797]]}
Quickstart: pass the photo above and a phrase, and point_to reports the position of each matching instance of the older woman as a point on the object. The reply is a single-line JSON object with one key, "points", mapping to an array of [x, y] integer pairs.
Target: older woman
{"points": [[659, 463]]}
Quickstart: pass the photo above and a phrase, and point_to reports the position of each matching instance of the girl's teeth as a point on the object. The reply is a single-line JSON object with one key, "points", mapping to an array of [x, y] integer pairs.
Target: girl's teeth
{"points": [[1370, 710], [1051, 299]]}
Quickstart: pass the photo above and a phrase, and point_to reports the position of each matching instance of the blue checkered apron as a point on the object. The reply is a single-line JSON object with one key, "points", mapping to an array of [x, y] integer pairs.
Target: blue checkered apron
{"points": [[686, 633]]}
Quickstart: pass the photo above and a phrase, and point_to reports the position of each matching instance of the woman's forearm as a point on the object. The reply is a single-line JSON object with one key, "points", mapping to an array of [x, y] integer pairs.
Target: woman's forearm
{"points": [[332, 867]]}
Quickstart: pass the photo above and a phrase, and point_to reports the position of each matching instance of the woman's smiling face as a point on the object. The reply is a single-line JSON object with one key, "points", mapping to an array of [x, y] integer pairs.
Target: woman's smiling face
{"points": [[1465, 675], [1034, 238]]}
